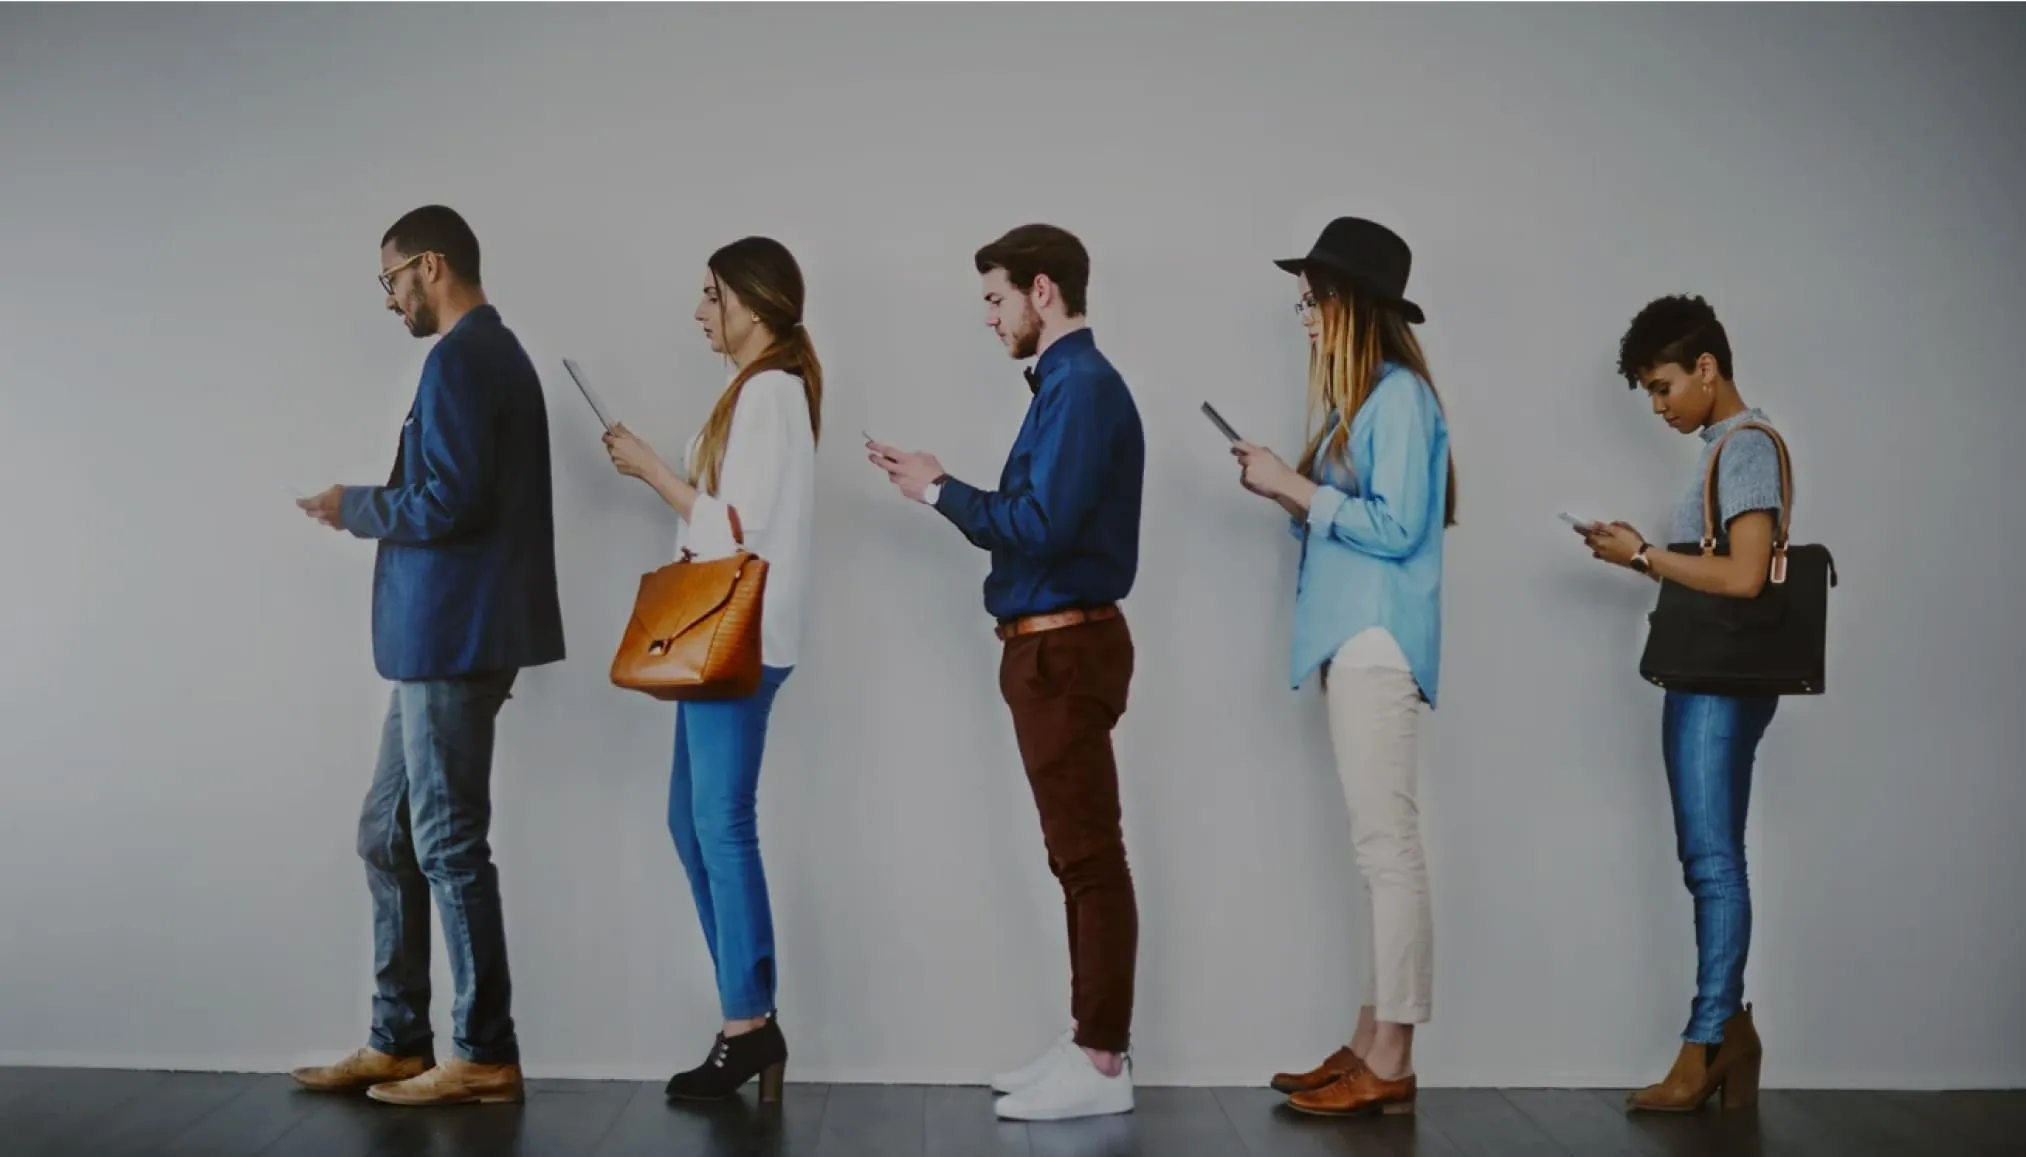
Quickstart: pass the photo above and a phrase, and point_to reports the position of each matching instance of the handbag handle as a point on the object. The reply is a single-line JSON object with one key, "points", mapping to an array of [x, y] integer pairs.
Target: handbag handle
{"points": [[1782, 527]]}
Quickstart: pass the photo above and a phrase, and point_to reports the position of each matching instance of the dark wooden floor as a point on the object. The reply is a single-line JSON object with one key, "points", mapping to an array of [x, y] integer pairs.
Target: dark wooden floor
{"points": [[105, 1113]]}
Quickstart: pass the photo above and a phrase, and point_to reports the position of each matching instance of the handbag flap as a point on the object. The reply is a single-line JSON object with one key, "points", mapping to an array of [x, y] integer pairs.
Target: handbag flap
{"points": [[683, 594]]}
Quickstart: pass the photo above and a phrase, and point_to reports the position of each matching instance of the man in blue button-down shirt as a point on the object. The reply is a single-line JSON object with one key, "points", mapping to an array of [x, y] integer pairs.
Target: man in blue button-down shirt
{"points": [[1063, 529], [464, 596]]}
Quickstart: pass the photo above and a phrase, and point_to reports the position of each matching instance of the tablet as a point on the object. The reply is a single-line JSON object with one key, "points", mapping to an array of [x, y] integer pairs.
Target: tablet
{"points": [[584, 388]]}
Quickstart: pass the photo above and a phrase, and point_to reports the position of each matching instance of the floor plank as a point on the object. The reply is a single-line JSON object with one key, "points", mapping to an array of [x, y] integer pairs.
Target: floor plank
{"points": [[1709, 1132], [351, 1125], [1583, 1124], [1270, 1129], [47, 1118], [652, 1126], [21, 1079], [246, 1126], [1482, 1123], [1184, 1123], [110, 1113], [957, 1121], [1885, 1124], [564, 1118], [873, 1121], [1990, 1121], [1786, 1128], [164, 1110]]}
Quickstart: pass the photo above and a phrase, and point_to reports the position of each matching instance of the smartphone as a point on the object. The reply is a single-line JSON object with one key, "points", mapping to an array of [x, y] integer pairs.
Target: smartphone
{"points": [[1217, 419], [584, 388], [1579, 523]]}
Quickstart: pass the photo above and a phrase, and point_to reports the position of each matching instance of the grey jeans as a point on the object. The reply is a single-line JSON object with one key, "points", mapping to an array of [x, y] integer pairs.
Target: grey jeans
{"points": [[423, 829]]}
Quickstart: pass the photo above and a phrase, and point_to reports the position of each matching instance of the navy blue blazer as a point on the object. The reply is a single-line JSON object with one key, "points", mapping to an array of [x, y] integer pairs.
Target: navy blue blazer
{"points": [[465, 579]]}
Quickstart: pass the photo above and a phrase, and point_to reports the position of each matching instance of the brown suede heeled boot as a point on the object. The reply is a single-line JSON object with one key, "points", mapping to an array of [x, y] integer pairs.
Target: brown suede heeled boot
{"points": [[1339, 1063], [1732, 1068]]}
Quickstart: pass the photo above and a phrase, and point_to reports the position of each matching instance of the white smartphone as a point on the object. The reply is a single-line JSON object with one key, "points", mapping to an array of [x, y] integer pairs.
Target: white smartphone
{"points": [[1578, 523]]}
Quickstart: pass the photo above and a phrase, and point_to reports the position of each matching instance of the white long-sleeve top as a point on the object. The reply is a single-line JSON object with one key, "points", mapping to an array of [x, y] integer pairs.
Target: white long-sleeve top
{"points": [[769, 475]]}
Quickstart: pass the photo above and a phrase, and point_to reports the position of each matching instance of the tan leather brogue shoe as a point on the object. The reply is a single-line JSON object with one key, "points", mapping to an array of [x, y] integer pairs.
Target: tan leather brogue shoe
{"points": [[455, 1082], [1340, 1062], [361, 1070], [1357, 1093]]}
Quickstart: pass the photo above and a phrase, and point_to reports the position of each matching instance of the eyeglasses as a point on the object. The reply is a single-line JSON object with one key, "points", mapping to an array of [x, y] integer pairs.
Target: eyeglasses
{"points": [[1305, 306], [387, 275]]}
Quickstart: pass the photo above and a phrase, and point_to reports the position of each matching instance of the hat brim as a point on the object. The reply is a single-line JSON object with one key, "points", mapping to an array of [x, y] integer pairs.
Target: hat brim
{"points": [[1407, 310]]}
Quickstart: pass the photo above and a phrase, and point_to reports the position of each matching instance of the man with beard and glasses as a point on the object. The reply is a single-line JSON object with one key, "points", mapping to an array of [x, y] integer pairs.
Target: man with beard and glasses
{"points": [[464, 597], [1063, 530]]}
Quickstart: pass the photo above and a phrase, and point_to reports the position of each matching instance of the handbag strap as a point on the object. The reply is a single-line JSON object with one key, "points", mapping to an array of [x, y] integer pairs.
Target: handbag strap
{"points": [[1782, 526], [738, 534]]}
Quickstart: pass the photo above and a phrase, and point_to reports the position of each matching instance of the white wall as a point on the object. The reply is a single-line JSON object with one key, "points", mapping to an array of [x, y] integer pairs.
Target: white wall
{"points": [[190, 203]]}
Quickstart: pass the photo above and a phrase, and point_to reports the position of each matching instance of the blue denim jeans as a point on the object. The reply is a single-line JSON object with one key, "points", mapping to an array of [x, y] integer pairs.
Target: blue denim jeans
{"points": [[1709, 742], [713, 793], [422, 830]]}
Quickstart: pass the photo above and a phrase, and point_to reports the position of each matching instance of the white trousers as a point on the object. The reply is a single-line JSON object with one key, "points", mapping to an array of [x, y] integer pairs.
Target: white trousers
{"points": [[1375, 715]]}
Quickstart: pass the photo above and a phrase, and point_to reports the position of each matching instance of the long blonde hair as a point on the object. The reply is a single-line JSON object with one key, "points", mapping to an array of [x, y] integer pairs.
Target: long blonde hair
{"points": [[1359, 337], [768, 282]]}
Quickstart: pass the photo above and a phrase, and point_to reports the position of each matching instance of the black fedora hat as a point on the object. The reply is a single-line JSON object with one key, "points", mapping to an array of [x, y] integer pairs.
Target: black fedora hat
{"points": [[1368, 255]]}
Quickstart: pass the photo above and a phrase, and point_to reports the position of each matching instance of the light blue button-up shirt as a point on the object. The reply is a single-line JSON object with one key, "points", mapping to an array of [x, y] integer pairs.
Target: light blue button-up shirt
{"points": [[1372, 543]]}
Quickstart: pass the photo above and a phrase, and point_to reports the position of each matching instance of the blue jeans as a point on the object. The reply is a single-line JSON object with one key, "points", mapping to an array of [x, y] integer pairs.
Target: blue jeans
{"points": [[1709, 742], [422, 830], [713, 814]]}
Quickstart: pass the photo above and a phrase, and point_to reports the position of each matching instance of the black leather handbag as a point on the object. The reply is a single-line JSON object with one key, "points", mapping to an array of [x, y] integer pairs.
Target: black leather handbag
{"points": [[1769, 645]]}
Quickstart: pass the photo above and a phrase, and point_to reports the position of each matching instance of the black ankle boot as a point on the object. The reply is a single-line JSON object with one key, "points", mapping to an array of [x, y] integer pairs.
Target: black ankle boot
{"points": [[733, 1061]]}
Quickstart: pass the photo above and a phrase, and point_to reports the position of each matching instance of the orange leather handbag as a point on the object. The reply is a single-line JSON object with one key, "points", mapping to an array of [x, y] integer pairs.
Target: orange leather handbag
{"points": [[695, 630]]}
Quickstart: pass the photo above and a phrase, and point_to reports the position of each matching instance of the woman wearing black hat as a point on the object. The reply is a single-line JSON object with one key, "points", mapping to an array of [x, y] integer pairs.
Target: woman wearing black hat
{"points": [[1370, 499]]}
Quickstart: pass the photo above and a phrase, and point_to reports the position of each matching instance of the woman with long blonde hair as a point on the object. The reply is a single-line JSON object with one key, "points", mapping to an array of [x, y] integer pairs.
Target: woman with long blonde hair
{"points": [[1370, 499], [748, 481]]}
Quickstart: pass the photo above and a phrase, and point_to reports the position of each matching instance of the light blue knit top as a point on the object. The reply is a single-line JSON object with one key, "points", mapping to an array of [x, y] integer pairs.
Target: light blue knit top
{"points": [[1748, 479]]}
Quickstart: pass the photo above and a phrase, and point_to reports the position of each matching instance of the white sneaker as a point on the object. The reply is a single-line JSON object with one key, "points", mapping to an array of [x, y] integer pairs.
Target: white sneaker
{"points": [[1030, 1072], [1071, 1087]]}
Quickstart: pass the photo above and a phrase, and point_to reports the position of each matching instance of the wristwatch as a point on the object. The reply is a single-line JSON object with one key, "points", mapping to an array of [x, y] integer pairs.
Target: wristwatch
{"points": [[934, 490], [1640, 562]]}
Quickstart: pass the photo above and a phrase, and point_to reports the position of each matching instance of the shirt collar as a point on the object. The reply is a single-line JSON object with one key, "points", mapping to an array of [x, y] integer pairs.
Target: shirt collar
{"points": [[1731, 423], [477, 315], [1065, 347]]}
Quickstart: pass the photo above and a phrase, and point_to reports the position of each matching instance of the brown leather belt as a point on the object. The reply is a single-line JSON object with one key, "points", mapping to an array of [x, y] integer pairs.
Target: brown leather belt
{"points": [[1053, 621]]}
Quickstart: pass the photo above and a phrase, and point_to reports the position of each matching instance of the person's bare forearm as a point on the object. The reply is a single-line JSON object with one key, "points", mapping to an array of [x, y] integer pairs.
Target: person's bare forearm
{"points": [[673, 488], [1727, 575]]}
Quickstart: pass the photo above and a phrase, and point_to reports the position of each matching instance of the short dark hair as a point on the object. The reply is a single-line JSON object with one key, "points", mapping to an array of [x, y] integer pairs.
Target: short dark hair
{"points": [[1032, 250], [1673, 329], [437, 229]]}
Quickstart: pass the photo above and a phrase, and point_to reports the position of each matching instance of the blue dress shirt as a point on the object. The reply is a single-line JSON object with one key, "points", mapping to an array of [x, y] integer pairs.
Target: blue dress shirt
{"points": [[1064, 525]]}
